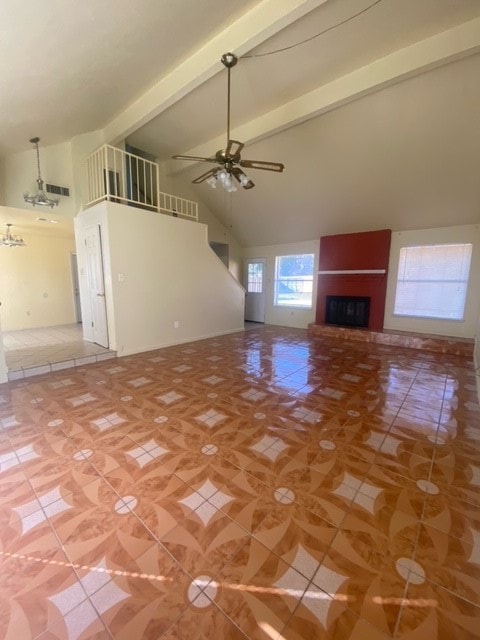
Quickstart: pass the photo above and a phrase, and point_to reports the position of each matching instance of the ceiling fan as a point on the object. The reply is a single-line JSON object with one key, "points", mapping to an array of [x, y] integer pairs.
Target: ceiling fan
{"points": [[229, 159]]}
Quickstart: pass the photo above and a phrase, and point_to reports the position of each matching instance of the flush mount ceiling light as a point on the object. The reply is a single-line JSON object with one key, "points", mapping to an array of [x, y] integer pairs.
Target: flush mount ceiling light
{"points": [[40, 197], [46, 220], [9, 240], [229, 158]]}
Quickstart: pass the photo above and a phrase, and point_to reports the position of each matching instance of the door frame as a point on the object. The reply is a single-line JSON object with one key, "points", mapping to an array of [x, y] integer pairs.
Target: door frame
{"points": [[246, 262]]}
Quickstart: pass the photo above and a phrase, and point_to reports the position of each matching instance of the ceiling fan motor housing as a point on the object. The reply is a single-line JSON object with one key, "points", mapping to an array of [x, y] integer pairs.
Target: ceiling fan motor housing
{"points": [[222, 157]]}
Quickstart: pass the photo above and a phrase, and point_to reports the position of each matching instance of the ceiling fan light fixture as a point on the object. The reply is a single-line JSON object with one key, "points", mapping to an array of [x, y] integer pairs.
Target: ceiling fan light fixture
{"points": [[230, 159], [244, 180], [40, 197], [226, 181], [212, 182], [11, 240]]}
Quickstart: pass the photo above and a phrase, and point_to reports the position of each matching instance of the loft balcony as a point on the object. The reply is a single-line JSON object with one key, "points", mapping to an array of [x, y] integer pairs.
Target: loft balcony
{"points": [[119, 176]]}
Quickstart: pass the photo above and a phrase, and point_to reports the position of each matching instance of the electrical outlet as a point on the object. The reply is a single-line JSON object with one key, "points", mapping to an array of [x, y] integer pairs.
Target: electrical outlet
{"points": [[176, 324], [121, 277]]}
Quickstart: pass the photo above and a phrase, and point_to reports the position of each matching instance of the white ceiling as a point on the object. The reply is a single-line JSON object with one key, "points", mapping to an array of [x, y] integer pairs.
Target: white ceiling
{"points": [[404, 154], [69, 66]]}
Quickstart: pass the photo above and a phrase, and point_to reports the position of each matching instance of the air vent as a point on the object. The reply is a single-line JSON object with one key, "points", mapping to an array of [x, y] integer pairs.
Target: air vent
{"points": [[59, 191]]}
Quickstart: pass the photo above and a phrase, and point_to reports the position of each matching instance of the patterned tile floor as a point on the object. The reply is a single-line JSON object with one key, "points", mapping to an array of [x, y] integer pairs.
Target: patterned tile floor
{"points": [[260, 485]]}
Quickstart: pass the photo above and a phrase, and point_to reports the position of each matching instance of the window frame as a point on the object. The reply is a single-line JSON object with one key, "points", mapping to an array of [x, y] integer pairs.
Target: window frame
{"points": [[466, 282], [276, 280]]}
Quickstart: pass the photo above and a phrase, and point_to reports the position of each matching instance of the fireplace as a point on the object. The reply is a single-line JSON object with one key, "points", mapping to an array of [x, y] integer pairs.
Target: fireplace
{"points": [[347, 311], [353, 266]]}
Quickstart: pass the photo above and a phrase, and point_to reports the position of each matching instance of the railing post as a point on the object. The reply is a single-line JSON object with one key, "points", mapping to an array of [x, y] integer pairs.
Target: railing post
{"points": [[106, 176], [157, 177]]}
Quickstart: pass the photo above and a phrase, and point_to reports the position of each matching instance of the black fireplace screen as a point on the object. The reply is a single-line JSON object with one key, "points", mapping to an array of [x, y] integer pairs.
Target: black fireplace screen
{"points": [[347, 311]]}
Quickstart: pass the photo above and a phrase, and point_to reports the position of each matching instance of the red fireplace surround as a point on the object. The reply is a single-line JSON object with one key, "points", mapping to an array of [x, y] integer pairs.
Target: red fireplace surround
{"points": [[360, 263]]}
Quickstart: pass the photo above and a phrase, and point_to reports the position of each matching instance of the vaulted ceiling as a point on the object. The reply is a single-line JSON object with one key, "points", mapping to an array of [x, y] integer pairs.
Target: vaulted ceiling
{"points": [[376, 120]]}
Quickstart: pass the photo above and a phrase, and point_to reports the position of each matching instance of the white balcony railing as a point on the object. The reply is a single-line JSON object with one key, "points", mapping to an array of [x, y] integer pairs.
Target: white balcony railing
{"points": [[119, 176]]}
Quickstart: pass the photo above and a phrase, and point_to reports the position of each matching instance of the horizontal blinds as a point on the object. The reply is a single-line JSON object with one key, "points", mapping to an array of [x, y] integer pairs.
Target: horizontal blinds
{"points": [[432, 281]]}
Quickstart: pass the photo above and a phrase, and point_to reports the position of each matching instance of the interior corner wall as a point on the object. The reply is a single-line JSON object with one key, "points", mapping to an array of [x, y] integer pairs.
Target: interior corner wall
{"points": [[284, 316], [36, 282], [81, 147], [217, 232], [159, 271], [444, 235]]}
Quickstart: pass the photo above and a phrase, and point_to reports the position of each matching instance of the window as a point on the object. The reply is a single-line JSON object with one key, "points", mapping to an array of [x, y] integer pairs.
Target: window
{"points": [[255, 277], [294, 280], [432, 281]]}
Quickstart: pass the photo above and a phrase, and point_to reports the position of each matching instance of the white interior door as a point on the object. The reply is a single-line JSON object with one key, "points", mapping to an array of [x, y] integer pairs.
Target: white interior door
{"points": [[96, 284], [255, 286]]}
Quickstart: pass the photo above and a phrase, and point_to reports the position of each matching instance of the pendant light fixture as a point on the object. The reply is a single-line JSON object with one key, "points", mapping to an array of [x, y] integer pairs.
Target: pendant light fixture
{"points": [[40, 197], [10, 240]]}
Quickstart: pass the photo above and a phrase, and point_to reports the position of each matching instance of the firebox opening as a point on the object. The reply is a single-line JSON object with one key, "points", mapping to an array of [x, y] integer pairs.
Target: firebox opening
{"points": [[347, 311]]}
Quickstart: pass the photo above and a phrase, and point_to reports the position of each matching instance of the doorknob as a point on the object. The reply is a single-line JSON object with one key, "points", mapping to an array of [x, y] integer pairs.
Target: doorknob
{"points": [[100, 295]]}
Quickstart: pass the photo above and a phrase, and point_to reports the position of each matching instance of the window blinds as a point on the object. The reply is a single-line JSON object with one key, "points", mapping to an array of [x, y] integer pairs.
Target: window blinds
{"points": [[432, 281]]}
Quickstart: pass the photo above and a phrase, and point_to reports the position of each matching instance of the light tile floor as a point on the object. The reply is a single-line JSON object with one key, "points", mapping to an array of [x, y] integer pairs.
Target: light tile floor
{"points": [[259, 485], [29, 349]]}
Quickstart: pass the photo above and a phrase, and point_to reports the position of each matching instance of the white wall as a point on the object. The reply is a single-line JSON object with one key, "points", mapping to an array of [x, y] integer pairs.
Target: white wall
{"points": [[285, 316], [36, 288], [169, 274], [476, 355], [3, 364], [2, 181], [444, 235]]}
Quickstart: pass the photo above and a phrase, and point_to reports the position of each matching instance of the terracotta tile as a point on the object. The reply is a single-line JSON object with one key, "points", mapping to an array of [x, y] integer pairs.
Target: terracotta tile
{"points": [[199, 621], [431, 611], [284, 485], [29, 579]]}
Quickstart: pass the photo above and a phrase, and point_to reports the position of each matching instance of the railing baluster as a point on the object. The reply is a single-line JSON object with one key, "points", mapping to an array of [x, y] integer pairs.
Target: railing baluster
{"points": [[110, 160]]}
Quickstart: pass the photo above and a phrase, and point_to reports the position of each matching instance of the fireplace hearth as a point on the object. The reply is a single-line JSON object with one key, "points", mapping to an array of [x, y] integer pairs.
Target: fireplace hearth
{"points": [[347, 311]]}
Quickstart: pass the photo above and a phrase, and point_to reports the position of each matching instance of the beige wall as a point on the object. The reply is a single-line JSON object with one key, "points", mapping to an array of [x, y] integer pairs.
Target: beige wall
{"points": [[284, 316], [168, 274], [36, 282], [464, 329]]}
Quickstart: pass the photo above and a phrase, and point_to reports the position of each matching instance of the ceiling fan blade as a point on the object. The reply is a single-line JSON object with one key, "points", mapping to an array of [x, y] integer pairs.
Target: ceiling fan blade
{"points": [[237, 173], [261, 164], [205, 176], [196, 158], [233, 147]]}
